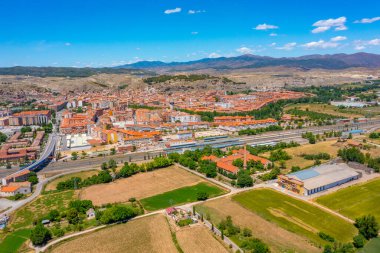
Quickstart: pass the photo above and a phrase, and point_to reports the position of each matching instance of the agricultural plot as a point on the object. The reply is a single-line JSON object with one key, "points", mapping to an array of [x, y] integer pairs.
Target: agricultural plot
{"points": [[277, 238], [327, 109], [308, 149], [199, 239], [356, 200], [24, 217], [372, 246], [149, 234], [140, 186], [296, 216], [180, 196], [83, 174], [14, 241]]}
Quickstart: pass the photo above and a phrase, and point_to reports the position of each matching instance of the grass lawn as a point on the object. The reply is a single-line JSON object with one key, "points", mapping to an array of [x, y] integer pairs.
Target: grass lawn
{"points": [[180, 196], [41, 206], [319, 147], [296, 216], [356, 200], [14, 241], [372, 246]]}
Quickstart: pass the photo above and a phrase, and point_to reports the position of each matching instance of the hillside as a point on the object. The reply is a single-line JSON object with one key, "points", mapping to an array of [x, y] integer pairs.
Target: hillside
{"points": [[248, 61]]}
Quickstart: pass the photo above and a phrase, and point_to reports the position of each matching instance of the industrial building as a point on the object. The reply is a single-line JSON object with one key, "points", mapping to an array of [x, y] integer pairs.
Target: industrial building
{"points": [[317, 179]]}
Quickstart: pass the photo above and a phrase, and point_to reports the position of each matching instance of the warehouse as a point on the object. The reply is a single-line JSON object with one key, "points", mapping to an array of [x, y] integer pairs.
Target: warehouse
{"points": [[317, 179]]}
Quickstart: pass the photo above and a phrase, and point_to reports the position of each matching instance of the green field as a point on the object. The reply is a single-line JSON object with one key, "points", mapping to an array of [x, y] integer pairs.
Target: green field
{"points": [[355, 201], [296, 216], [41, 206], [179, 196], [14, 241], [373, 246]]}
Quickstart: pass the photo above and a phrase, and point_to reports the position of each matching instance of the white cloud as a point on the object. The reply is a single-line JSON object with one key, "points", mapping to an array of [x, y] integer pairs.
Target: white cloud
{"points": [[214, 55], [244, 50], [327, 24], [67, 44], [194, 33], [273, 34], [288, 46], [171, 11], [339, 38], [273, 44], [321, 44], [196, 11], [367, 20], [363, 44], [265, 27]]}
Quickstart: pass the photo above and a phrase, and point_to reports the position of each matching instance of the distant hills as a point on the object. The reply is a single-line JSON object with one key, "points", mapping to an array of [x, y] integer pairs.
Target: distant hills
{"points": [[248, 61], [68, 72]]}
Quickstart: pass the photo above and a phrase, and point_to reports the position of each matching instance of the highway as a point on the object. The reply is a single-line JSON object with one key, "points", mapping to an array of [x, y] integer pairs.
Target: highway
{"points": [[251, 140]]}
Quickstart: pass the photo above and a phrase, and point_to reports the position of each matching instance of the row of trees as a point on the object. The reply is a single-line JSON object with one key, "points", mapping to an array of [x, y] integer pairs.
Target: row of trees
{"points": [[256, 131]]}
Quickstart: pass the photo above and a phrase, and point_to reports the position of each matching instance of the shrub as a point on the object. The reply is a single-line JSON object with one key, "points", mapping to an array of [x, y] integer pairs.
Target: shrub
{"points": [[326, 237]]}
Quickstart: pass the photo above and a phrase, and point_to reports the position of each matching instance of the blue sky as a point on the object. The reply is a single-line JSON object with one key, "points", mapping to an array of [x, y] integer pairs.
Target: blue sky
{"points": [[112, 32]]}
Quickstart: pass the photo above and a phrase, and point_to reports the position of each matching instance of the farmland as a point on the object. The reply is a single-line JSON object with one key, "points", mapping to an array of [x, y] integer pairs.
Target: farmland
{"points": [[149, 234], [14, 241], [356, 200], [199, 239], [295, 215], [372, 246], [319, 147], [83, 174], [277, 238], [140, 186], [327, 109], [180, 196]]}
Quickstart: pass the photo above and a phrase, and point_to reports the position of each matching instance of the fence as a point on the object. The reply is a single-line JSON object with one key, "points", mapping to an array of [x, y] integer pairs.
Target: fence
{"points": [[217, 232]]}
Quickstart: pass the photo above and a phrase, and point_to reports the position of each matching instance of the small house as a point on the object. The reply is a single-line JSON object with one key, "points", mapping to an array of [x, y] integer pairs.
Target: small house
{"points": [[90, 213]]}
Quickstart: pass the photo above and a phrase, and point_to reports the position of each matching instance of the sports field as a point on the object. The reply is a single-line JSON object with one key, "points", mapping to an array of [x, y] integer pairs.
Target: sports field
{"points": [[148, 234], [140, 186], [277, 238], [83, 174], [199, 239], [180, 196], [295, 215], [356, 200], [14, 241]]}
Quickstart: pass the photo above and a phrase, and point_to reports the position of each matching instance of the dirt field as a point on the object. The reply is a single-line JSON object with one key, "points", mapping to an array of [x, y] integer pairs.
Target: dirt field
{"points": [[199, 239], [150, 234], [325, 108], [320, 147], [83, 174], [140, 186], [278, 239]]}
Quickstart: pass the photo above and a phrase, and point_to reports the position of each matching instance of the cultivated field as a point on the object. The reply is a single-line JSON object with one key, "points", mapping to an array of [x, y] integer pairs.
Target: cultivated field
{"points": [[320, 147], [14, 241], [356, 200], [140, 186], [277, 238], [327, 109], [372, 246], [199, 239], [180, 196], [149, 234], [83, 174], [296, 215]]}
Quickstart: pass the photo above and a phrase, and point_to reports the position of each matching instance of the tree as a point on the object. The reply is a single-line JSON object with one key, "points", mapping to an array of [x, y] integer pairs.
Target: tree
{"points": [[327, 249], [113, 151], [33, 179], [202, 195], [3, 137], [40, 235], [53, 215], [367, 226], [104, 166], [72, 216], [244, 179], [112, 164], [359, 241], [74, 155]]}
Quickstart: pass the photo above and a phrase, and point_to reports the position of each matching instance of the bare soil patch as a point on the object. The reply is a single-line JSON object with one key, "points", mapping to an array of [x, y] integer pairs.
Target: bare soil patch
{"points": [[198, 238], [278, 239], [140, 186], [150, 234]]}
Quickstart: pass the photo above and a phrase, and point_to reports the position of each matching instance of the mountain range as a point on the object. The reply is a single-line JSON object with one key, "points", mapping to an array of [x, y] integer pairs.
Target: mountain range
{"points": [[249, 61]]}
